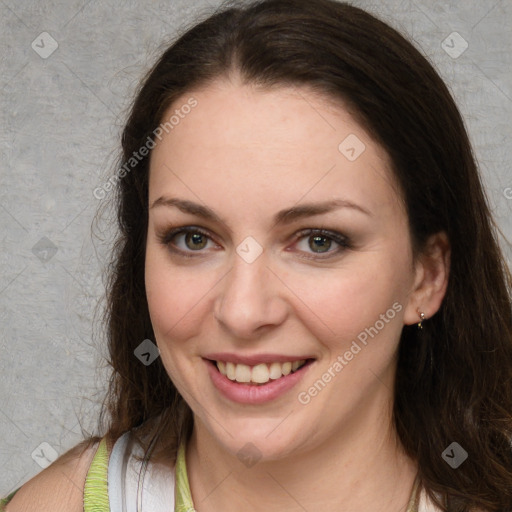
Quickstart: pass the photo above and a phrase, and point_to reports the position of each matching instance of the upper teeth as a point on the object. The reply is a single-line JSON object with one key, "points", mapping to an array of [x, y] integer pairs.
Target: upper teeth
{"points": [[259, 374]]}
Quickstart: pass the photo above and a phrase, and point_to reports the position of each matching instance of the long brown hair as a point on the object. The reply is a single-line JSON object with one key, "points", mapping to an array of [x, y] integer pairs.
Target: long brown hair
{"points": [[454, 378]]}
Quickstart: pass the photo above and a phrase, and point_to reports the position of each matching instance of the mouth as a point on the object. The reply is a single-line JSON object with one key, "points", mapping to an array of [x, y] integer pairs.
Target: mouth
{"points": [[257, 383], [259, 374]]}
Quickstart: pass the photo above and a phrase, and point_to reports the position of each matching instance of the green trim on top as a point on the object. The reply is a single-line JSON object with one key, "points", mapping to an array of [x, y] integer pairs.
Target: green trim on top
{"points": [[96, 486], [96, 490], [182, 495]]}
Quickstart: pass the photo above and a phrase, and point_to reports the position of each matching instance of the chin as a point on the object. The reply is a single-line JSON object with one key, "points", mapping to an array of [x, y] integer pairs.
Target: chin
{"points": [[265, 438]]}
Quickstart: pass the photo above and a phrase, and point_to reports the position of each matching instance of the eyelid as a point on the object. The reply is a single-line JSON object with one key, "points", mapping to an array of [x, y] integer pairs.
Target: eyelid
{"points": [[338, 238], [166, 235]]}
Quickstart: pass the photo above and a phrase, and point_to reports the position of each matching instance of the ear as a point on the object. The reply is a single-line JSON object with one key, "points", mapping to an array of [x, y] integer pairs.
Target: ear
{"points": [[432, 268]]}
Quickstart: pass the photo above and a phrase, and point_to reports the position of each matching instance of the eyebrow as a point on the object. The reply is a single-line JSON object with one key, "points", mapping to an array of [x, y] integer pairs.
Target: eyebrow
{"points": [[286, 216]]}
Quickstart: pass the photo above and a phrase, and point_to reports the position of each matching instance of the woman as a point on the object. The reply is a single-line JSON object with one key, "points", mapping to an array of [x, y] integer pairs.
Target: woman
{"points": [[304, 235]]}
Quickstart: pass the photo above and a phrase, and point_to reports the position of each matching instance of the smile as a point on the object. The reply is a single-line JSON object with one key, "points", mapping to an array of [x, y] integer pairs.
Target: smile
{"points": [[260, 373], [253, 382]]}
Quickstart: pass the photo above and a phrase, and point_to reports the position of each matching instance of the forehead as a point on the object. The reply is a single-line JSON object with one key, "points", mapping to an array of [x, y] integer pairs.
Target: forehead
{"points": [[282, 144]]}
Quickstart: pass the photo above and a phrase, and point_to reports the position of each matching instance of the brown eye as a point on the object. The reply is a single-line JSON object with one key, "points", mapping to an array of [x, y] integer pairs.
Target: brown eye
{"points": [[185, 241], [319, 243], [195, 241]]}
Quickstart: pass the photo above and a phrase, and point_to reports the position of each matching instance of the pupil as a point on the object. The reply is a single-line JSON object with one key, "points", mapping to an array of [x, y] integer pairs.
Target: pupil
{"points": [[197, 239], [320, 242]]}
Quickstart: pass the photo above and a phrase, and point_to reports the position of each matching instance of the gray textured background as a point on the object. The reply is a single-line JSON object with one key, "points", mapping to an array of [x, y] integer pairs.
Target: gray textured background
{"points": [[61, 115]]}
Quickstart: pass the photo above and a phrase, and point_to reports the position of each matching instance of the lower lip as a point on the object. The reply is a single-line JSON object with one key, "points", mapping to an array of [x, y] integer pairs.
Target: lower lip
{"points": [[255, 394]]}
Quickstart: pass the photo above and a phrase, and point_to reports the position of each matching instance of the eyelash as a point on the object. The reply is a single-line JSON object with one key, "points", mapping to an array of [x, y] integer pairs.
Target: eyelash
{"points": [[343, 242]]}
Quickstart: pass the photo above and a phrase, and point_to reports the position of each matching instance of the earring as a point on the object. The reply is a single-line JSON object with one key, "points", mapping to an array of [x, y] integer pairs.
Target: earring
{"points": [[422, 317]]}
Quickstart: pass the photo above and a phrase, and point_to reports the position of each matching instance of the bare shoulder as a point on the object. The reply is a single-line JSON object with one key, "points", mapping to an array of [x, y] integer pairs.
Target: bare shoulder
{"points": [[58, 488]]}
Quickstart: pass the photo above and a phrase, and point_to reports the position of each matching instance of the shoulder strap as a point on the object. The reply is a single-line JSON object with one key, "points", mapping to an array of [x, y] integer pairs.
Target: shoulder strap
{"points": [[95, 490], [182, 489], [159, 493], [130, 486], [96, 487]]}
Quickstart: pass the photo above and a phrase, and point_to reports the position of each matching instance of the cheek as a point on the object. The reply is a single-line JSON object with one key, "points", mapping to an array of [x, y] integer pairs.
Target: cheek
{"points": [[340, 304], [176, 307], [177, 298]]}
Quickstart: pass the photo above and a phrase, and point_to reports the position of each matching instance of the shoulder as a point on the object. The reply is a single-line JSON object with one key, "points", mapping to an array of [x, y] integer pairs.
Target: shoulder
{"points": [[58, 488]]}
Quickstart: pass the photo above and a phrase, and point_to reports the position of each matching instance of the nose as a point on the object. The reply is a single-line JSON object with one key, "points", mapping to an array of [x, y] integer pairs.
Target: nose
{"points": [[250, 300]]}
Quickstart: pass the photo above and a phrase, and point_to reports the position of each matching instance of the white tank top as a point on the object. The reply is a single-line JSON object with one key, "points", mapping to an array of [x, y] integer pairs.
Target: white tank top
{"points": [[155, 493]]}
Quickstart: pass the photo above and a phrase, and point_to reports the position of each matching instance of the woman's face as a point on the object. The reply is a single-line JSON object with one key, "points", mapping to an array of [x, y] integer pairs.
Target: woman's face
{"points": [[276, 235]]}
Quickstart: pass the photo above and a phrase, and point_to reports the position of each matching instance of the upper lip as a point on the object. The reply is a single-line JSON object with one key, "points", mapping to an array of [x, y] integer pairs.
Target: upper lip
{"points": [[253, 360]]}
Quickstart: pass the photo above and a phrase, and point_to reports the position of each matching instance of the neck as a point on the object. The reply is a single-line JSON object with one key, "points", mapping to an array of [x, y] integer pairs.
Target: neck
{"points": [[361, 467]]}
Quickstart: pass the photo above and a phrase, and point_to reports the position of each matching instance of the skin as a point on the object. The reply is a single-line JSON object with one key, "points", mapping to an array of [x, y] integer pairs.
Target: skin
{"points": [[247, 153], [59, 488]]}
